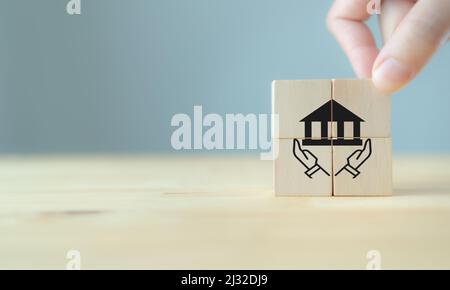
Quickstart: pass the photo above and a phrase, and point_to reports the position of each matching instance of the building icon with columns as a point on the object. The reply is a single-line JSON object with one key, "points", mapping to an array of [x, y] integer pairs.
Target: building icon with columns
{"points": [[332, 113]]}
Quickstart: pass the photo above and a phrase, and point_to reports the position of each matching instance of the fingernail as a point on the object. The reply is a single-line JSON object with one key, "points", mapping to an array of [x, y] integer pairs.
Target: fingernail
{"points": [[391, 75]]}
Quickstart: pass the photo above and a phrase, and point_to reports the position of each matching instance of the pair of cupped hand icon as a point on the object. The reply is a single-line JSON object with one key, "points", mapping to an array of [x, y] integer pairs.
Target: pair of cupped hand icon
{"points": [[311, 162]]}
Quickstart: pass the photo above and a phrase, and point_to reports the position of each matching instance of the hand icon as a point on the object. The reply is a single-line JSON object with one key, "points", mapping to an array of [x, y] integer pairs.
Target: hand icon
{"points": [[308, 159], [357, 159]]}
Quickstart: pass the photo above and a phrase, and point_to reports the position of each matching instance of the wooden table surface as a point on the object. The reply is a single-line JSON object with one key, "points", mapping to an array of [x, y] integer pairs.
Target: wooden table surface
{"points": [[159, 212]]}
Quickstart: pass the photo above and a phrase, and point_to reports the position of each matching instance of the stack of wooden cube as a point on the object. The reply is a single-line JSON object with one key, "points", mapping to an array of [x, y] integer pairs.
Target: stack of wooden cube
{"points": [[334, 138]]}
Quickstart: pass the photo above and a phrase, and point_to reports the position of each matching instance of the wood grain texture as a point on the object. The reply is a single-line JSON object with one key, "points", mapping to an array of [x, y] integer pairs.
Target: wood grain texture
{"points": [[156, 212], [363, 171], [294, 100], [364, 100], [311, 178]]}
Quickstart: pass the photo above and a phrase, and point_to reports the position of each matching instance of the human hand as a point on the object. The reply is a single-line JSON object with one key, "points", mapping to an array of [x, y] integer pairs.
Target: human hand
{"points": [[308, 159], [412, 31], [357, 159]]}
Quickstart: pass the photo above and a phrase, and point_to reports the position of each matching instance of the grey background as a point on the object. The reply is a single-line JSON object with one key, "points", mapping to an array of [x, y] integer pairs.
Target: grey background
{"points": [[111, 79]]}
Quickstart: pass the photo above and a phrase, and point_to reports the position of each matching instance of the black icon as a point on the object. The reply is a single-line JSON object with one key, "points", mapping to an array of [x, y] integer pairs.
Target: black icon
{"points": [[357, 159], [308, 159], [332, 111]]}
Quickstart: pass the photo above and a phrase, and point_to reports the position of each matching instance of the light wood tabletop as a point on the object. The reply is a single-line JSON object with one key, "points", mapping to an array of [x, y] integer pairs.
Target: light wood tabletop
{"points": [[178, 212]]}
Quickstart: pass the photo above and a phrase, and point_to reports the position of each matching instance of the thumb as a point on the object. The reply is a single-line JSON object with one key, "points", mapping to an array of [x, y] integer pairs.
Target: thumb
{"points": [[367, 149], [411, 46], [297, 147]]}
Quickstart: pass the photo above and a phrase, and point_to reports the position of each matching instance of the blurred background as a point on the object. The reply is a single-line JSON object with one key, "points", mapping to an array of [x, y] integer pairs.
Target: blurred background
{"points": [[110, 80]]}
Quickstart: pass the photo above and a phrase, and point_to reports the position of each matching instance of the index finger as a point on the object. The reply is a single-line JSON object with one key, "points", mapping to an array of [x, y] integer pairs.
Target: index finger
{"points": [[346, 22]]}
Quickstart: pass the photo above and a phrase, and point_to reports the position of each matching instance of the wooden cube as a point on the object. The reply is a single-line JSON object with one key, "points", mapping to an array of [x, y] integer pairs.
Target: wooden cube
{"points": [[360, 110], [295, 103], [303, 170], [334, 139], [364, 170]]}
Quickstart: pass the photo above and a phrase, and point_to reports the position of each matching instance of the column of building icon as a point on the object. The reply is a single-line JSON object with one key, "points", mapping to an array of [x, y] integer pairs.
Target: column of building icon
{"points": [[329, 113]]}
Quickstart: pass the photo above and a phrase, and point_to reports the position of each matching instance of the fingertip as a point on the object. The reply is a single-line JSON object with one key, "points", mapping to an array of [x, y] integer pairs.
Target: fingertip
{"points": [[391, 75]]}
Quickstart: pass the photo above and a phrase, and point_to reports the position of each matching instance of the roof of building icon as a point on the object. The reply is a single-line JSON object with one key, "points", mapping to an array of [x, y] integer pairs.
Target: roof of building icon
{"points": [[332, 108]]}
